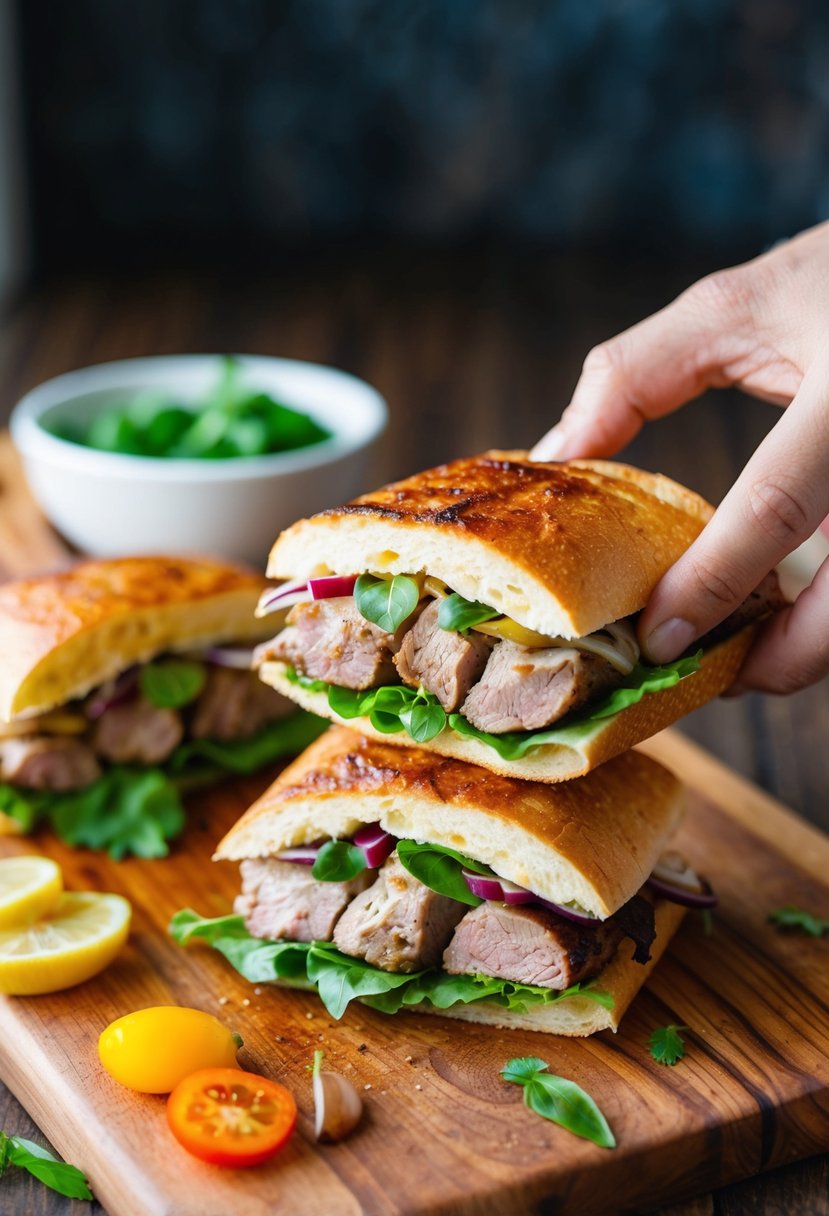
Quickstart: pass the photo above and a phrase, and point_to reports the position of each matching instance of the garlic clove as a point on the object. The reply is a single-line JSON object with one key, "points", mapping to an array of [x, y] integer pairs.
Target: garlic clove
{"points": [[337, 1106]]}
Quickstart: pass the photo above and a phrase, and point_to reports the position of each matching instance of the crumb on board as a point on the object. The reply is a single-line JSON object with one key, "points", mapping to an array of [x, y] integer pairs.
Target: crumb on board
{"points": [[362, 1047], [223, 1000], [246, 1001], [367, 1085], [309, 1015], [418, 1087], [408, 1060]]}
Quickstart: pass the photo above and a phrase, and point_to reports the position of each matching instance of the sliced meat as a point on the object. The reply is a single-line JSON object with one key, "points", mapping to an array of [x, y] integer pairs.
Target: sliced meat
{"points": [[282, 900], [329, 640], [444, 662], [137, 733], [765, 599], [398, 923], [525, 689], [46, 762], [235, 705], [530, 946]]}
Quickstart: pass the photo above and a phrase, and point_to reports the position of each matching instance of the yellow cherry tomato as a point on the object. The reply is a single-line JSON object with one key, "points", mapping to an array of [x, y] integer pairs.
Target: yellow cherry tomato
{"points": [[151, 1050]]}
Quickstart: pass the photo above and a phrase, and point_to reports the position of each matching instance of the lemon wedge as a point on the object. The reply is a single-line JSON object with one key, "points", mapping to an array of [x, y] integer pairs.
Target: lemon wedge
{"points": [[29, 888], [67, 946]]}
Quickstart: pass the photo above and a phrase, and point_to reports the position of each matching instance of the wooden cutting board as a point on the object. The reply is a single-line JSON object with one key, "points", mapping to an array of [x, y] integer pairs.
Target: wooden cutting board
{"points": [[442, 1133]]}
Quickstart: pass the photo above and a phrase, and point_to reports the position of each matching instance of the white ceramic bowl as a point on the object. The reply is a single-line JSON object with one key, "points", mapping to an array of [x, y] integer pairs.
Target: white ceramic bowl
{"points": [[107, 504]]}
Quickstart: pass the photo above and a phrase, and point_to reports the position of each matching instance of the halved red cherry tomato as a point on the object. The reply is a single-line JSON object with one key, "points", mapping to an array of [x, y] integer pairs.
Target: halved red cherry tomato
{"points": [[230, 1117]]}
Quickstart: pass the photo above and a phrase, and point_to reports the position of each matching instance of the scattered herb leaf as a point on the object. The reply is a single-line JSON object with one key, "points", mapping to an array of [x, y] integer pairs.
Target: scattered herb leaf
{"points": [[667, 1045], [559, 1100], [58, 1175], [797, 918], [387, 603]]}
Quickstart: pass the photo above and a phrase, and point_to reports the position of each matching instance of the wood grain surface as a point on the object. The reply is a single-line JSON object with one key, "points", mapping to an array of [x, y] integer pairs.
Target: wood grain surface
{"points": [[474, 349], [442, 1132]]}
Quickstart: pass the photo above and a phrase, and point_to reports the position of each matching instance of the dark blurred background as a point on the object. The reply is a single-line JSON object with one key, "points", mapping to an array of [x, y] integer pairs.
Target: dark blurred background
{"points": [[220, 130]]}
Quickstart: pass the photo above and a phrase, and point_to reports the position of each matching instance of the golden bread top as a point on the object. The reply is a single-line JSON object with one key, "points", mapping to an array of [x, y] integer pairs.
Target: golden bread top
{"points": [[563, 548], [593, 840], [63, 633]]}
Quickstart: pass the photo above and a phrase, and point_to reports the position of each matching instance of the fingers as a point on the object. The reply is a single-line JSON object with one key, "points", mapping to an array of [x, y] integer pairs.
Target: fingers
{"points": [[655, 367], [792, 650], [779, 499]]}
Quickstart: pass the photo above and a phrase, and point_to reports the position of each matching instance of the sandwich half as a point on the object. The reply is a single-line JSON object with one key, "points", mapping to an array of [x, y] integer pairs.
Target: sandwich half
{"points": [[487, 610], [123, 681], [409, 880]]}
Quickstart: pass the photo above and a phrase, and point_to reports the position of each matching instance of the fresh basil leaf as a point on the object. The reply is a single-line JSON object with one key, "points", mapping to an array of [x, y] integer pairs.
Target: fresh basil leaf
{"points": [[26, 807], [797, 918], [350, 703], [387, 603], [172, 683], [338, 861], [667, 1045], [296, 677], [458, 614], [642, 680], [439, 868], [424, 720], [255, 958], [559, 1100], [58, 1175], [285, 737], [341, 979]]}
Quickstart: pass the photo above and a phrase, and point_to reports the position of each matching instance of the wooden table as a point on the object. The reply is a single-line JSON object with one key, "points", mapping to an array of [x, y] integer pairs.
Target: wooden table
{"points": [[471, 351]]}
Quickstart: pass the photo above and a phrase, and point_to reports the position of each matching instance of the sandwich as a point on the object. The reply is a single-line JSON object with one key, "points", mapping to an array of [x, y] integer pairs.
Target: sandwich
{"points": [[412, 881], [122, 683], [487, 610]]}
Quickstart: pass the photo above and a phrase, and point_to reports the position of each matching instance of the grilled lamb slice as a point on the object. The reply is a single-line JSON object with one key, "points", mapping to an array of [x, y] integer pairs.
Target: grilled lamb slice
{"points": [[281, 899], [329, 640], [525, 689], [43, 762], [235, 705], [529, 945], [398, 923], [443, 661], [137, 733]]}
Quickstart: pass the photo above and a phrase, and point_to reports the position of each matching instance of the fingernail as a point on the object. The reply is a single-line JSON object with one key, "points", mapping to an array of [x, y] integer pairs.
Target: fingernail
{"points": [[551, 446], [669, 639]]}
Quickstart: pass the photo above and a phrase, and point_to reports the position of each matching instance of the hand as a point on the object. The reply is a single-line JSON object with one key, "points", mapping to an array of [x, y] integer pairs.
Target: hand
{"points": [[763, 327]]}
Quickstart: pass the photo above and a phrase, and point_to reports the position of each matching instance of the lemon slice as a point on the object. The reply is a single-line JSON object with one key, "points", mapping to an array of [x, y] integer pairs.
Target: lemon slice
{"points": [[69, 945], [29, 887]]}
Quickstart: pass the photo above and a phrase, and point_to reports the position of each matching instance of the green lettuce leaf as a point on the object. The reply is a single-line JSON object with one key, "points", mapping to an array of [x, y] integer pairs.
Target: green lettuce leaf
{"points": [[137, 811], [396, 707], [258, 960], [340, 979]]}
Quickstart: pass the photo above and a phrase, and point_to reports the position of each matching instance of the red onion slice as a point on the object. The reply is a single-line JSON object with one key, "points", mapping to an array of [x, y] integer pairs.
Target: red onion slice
{"points": [[376, 845], [116, 692], [489, 887], [283, 596], [300, 855], [703, 898], [332, 586], [237, 657]]}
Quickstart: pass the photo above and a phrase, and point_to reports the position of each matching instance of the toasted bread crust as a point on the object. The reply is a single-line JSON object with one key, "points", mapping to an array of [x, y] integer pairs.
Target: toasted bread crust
{"points": [[562, 548], [555, 762], [592, 841], [62, 634]]}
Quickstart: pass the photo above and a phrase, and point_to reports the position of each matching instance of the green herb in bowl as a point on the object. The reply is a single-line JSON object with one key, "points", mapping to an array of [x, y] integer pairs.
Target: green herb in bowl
{"points": [[229, 421]]}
